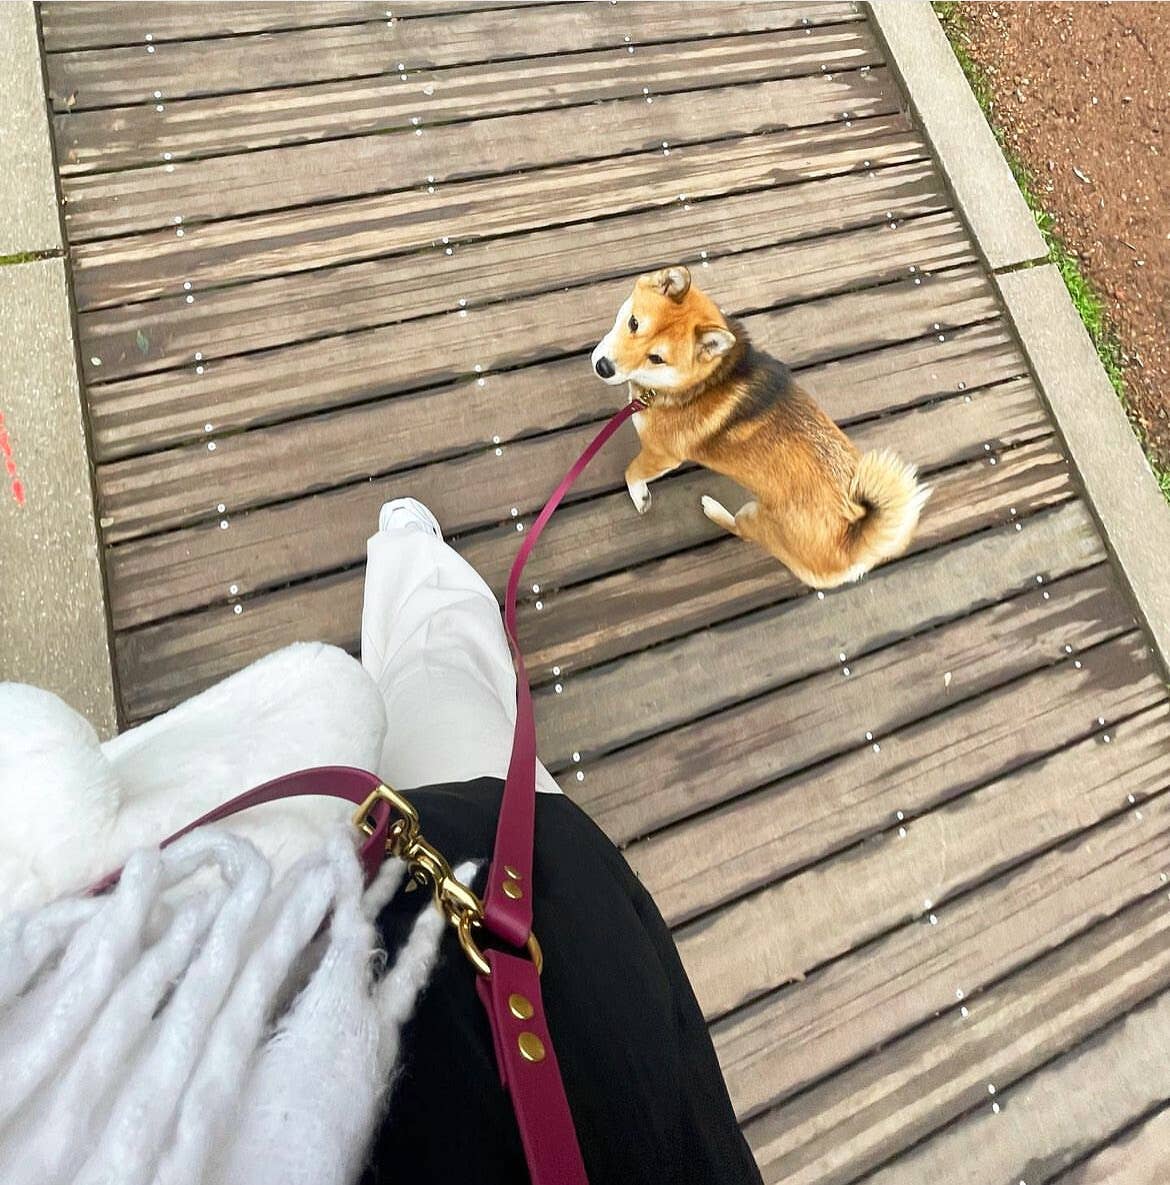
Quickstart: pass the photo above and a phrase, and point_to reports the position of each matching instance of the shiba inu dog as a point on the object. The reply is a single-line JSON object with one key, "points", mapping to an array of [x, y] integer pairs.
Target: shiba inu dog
{"points": [[826, 510]]}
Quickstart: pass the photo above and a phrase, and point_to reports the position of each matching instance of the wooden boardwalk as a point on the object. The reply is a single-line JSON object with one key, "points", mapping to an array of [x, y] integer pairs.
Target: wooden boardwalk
{"points": [[913, 834]]}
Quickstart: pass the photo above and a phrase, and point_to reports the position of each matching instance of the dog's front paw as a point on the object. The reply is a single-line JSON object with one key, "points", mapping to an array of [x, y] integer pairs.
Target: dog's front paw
{"points": [[639, 495]]}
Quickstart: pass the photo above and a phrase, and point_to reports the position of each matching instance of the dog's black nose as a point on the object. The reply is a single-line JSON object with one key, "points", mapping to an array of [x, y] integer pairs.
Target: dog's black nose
{"points": [[604, 368]]}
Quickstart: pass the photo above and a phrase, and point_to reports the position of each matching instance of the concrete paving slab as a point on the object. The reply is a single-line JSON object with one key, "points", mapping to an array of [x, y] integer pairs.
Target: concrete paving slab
{"points": [[984, 188], [53, 623], [29, 219], [1122, 491]]}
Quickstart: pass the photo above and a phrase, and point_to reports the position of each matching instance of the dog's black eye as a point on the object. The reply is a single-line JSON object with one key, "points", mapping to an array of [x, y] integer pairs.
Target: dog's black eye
{"points": [[657, 359], [633, 323]]}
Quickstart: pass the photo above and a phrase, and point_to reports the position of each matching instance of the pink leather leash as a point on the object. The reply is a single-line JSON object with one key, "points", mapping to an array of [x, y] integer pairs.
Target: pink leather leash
{"points": [[508, 918], [511, 993], [538, 1094], [329, 781]]}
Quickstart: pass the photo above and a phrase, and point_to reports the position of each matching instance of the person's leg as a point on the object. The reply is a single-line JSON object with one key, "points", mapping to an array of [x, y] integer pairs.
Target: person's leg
{"points": [[433, 640]]}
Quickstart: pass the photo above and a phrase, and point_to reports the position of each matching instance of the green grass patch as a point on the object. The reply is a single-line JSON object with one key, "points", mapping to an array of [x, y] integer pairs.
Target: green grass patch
{"points": [[26, 257], [1088, 303], [1163, 476]]}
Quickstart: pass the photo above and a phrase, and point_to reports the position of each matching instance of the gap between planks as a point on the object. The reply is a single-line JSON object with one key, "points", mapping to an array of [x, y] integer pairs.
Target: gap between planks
{"points": [[531, 374], [258, 315], [1052, 1118], [1135, 1153], [704, 672], [158, 263], [109, 205], [908, 1090], [897, 875], [84, 79], [794, 775], [149, 578], [113, 138], [93, 24], [1023, 890]]}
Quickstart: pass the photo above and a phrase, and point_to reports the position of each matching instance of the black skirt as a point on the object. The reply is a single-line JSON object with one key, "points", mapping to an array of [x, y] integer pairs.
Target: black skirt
{"points": [[639, 1069]]}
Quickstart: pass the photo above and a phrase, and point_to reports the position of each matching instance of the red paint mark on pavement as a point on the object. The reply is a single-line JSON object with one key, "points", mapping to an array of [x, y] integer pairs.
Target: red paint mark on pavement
{"points": [[14, 482]]}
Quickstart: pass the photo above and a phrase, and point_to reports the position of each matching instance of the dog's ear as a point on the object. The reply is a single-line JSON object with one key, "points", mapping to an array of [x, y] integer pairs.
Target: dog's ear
{"points": [[673, 282], [712, 341]]}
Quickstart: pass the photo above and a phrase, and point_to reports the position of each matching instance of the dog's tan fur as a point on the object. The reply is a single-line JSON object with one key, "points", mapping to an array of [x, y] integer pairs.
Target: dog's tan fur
{"points": [[827, 511]]}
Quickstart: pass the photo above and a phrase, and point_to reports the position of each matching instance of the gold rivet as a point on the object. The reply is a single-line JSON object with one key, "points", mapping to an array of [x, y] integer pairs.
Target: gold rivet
{"points": [[520, 1006], [513, 890], [531, 1047], [512, 872]]}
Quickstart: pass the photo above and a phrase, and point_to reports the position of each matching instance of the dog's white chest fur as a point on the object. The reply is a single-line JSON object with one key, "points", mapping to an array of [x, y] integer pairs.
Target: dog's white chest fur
{"points": [[638, 417]]}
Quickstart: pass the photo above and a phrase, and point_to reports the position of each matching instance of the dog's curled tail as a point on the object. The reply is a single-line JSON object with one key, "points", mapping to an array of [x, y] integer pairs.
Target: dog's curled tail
{"points": [[891, 496]]}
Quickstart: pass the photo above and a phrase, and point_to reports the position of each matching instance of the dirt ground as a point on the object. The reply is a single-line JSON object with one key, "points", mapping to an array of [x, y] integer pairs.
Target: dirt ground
{"points": [[1082, 93]]}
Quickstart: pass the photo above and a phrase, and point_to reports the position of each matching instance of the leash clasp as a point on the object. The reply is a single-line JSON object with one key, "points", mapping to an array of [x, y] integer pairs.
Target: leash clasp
{"points": [[459, 904]]}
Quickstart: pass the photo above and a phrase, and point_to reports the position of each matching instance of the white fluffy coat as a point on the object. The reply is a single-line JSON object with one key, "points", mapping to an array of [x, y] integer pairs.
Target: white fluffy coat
{"points": [[106, 1073], [73, 808]]}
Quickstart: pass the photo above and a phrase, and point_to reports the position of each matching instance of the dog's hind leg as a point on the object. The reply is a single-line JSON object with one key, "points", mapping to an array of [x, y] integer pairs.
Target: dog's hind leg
{"points": [[763, 528], [741, 523]]}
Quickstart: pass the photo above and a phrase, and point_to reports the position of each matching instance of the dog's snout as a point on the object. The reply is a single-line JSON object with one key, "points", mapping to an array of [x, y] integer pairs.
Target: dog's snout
{"points": [[604, 367]]}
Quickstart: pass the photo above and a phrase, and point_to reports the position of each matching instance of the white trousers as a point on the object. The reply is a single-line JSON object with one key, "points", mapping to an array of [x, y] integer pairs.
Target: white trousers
{"points": [[433, 640]]}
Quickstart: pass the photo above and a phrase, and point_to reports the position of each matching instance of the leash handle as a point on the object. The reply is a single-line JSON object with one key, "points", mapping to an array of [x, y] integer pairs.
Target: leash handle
{"points": [[331, 781]]}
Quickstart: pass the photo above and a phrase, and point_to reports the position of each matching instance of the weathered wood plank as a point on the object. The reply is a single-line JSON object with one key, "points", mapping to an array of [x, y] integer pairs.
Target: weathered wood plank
{"points": [[183, 485], [861, 1117], [585, 542], [110, 138], [797, 1036], [186, 653], [606, 618], [1138, 1157], [1054, 1117], [134, 339], [711, 760], [97, 24], [156, 411], [160, 263], [217, 65], [277, 544], [705, 672], [164, 663], [136, 498], [987, 726], [104, 204], [779, 934]]}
